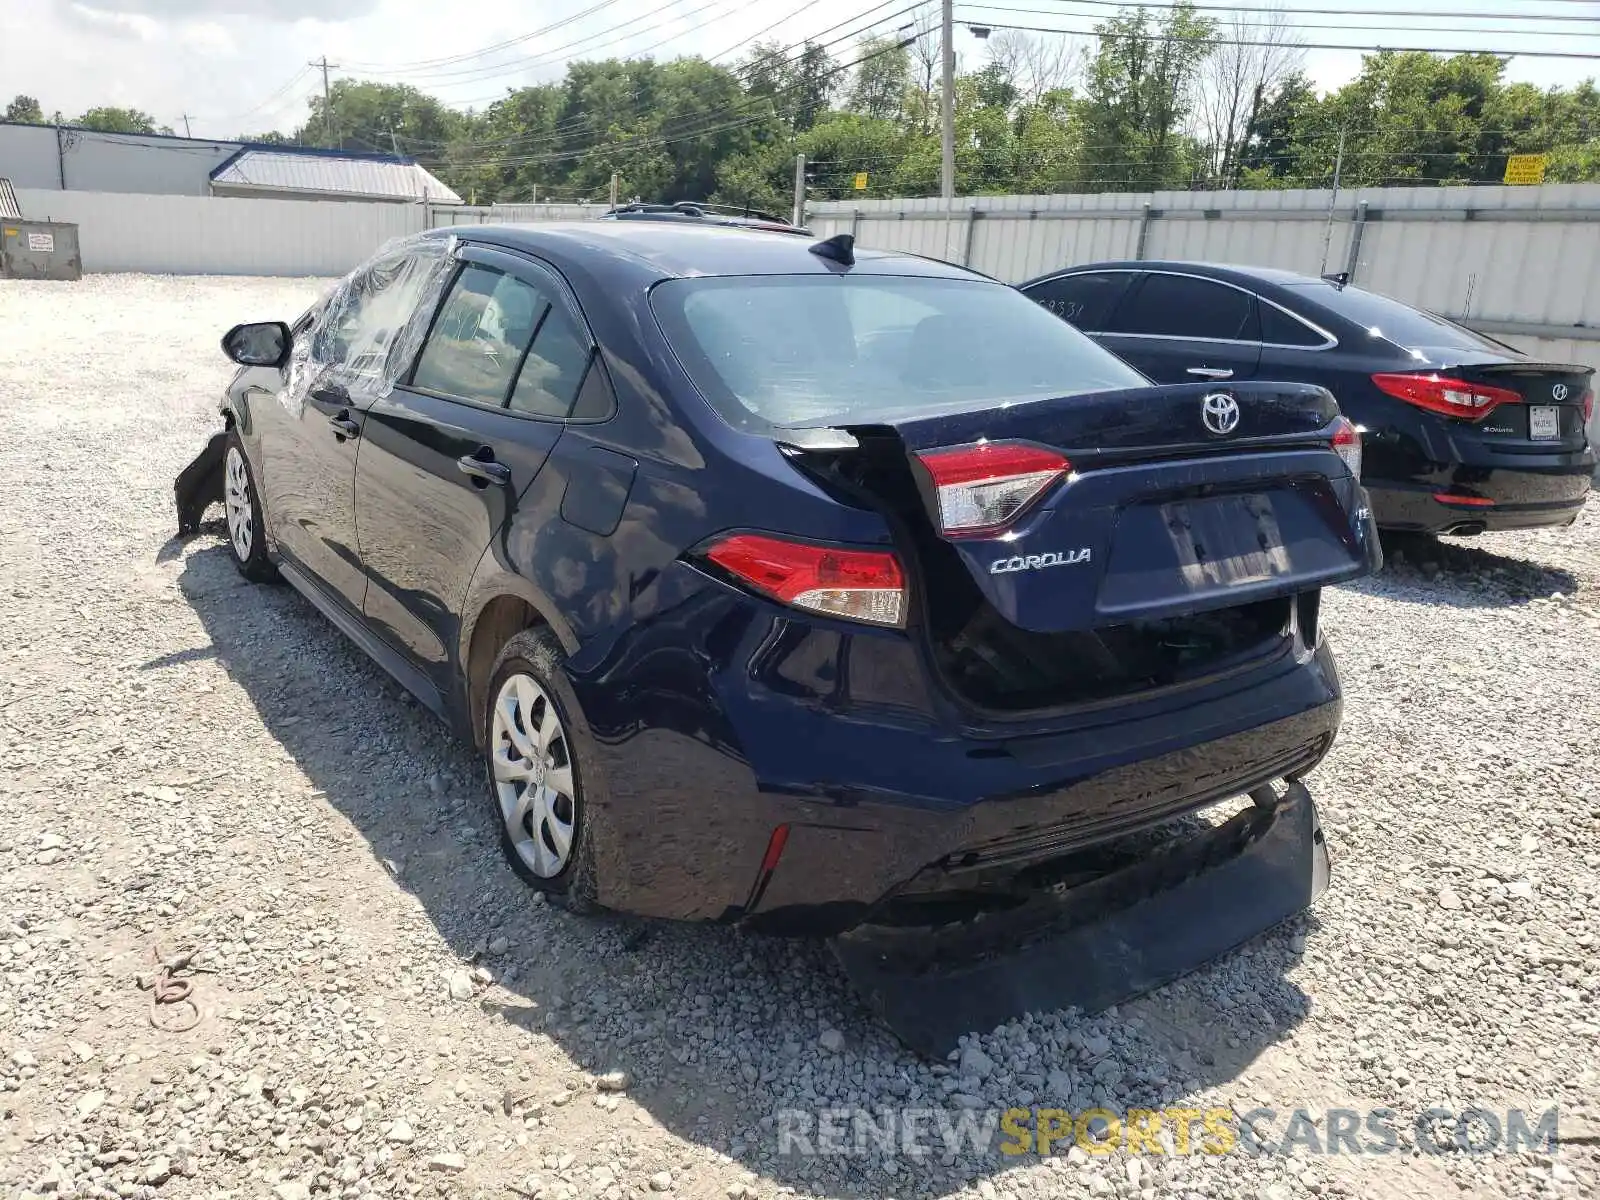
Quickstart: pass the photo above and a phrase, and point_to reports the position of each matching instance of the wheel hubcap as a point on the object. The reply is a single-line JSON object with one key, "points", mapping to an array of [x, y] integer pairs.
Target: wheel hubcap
{"points": [[236, 499], [532, 771]]}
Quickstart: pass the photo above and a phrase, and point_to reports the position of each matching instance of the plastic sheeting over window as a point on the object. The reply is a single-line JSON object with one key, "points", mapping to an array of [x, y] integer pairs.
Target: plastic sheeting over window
{"points": [[367, 330]]}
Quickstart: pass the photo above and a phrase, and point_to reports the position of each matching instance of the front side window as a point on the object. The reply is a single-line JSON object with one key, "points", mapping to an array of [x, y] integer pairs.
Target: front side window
{"points": [[774, 350], [1188, 307], [365, 313], [479, 337]]}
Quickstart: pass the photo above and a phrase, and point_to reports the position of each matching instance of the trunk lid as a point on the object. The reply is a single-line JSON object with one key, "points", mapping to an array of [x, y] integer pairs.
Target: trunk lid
{"points": [[1177, 500], [1550, 414]]}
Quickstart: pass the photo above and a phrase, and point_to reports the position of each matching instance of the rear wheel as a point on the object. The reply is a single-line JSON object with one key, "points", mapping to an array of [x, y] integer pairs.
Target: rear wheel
{"points": [[536, 744], [247, 541]]}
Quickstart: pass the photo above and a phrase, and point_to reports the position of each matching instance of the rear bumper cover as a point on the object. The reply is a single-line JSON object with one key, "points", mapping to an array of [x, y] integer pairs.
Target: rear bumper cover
{"points": [[1515, 492], [1096, 944]]}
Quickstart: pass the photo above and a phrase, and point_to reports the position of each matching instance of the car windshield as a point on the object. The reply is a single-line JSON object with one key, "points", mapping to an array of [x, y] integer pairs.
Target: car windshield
{"points": [[1395, 322], [787, 350]]}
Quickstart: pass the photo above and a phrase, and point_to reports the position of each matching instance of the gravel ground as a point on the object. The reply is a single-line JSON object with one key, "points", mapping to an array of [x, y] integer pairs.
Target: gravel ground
{"points": [[190, 762]]}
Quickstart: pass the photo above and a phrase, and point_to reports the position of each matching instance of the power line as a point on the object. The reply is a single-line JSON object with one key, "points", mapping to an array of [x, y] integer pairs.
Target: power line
{"points": [[486, 50], [576, 125], [1297, 25], [1166, 37], [1427, 14]]}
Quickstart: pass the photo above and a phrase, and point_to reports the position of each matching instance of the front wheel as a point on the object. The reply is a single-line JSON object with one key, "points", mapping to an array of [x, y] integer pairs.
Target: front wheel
{"points": [[247, 542], [536, 743]]}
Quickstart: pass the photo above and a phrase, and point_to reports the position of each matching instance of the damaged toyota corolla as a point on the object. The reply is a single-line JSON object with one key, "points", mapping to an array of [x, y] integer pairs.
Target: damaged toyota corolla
{"points": [[823, 590]]}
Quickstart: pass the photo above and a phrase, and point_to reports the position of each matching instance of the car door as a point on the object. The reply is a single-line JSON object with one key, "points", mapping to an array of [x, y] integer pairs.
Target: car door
{"points": [[448, 452], [1179, 328], [309, 451]]}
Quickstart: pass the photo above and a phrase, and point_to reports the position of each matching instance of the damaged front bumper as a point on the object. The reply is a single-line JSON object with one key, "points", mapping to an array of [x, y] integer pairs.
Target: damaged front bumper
{"points": [[1097, 943], [199, 485]]}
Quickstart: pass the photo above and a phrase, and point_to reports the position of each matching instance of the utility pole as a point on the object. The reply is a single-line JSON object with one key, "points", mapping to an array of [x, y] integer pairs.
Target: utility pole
{"points": [[1333, 199], [947, 103], [615, 179], [185, 124], [327, 100], [799, 215], [394, 142]]}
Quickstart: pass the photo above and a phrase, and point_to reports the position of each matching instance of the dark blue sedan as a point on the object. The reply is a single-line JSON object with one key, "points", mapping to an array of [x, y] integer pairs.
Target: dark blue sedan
{"points": [[785, 583], [1460, 433]]}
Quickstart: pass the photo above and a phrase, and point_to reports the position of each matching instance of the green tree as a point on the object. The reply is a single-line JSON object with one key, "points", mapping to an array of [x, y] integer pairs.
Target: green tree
{"points": [[1137, 99], [386, 117], [882, 79], [120, 120], [24, 109]]}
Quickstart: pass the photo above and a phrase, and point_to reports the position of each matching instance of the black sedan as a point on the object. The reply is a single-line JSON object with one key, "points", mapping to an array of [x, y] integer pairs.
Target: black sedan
{"points": [[1461, 433]]}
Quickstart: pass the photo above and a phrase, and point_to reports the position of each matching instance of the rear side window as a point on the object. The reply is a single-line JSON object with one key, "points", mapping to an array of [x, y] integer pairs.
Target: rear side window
{"points": [[553, 371], [1086, 300], [479, 337], [798, 349], [1395, 322], [1280, 329], [1185, 306]]}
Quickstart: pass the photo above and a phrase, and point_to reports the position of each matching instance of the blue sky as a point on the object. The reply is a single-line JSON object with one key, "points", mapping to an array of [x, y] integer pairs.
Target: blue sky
{"points": [[236, 65]]}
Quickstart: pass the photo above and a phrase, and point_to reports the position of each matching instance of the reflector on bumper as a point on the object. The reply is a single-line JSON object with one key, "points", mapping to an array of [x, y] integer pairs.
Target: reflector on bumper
{"points": [[1097, 944]]}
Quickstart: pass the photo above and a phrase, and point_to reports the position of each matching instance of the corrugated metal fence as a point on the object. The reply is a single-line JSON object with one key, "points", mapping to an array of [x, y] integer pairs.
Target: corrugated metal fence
{"points": [[1521, 263], [210, 235]]}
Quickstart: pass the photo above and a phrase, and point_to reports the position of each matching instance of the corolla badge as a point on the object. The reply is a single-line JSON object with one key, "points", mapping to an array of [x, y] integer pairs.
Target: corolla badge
{"points": [[1037, 562], [1220, 412], [1558, 393]]}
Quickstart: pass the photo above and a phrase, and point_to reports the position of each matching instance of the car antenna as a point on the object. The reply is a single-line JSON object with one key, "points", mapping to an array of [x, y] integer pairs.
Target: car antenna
{"points": [[1338, 280], [841, 248]]}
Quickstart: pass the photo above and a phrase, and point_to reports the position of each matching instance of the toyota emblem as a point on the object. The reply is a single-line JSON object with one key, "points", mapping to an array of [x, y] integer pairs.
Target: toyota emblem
{"points": [[1559, 392], [1220, 412]]}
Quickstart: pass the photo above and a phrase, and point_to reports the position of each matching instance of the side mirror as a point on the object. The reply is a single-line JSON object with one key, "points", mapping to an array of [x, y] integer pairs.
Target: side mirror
{"points": [[259, 344]]}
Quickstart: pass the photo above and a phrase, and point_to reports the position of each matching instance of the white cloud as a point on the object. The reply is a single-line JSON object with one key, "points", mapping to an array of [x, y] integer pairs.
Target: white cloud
{"points": [[116, 24]]}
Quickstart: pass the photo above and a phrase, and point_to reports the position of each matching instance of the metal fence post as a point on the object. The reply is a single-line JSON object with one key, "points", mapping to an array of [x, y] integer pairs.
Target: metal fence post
{"points": [[1355, 242], [1144, 232], [972, 224]]}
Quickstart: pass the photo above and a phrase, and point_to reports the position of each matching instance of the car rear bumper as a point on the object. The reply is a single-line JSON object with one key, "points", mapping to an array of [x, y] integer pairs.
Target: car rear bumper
{"points": [[831, 736], [1464, 498], [1093, 945]]}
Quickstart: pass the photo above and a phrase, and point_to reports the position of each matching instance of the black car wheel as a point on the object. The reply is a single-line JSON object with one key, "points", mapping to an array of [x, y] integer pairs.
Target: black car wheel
{"points": [[536, 741], [247, 541]]}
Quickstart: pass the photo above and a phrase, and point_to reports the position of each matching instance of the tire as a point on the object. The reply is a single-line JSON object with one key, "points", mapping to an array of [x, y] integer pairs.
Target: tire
{"points": [[241, 499], [527, 687]]}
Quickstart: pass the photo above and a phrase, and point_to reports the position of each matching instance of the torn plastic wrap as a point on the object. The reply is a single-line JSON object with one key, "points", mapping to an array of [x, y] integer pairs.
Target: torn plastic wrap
{"points": [[395, 294]]}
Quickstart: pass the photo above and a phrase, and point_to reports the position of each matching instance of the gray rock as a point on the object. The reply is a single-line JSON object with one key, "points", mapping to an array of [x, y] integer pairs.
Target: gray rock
{"points": [[1448, 900], [292, 1189], [975, 1062], [460, 985], [831, 1040], [447, 1162], [661, 1181], [613, 1081], [399, 1133]]}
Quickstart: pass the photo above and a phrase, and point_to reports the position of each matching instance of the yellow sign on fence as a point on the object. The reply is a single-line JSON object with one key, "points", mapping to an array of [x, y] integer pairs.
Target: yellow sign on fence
{"points": [[861, 181], [1526, 168]]}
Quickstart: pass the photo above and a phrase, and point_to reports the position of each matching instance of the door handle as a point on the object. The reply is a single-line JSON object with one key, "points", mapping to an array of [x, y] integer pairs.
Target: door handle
{"points": [[344, 427], [1211, 372], [484, 470]]}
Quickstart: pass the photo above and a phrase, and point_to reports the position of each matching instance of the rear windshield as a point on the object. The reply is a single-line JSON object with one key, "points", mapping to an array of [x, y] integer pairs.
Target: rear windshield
{"points": [[775, 350], [1395, 322]]}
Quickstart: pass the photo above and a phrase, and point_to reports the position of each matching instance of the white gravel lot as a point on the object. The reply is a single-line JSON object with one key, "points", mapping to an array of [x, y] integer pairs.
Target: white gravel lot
{"points": [[193, 762]]}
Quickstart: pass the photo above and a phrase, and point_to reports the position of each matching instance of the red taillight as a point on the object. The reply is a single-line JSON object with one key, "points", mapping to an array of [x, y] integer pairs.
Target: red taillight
{"points": [[984, 487], [1463, 501], [863, 585], [1347, 445], [1588, 406], [1452, 397]]}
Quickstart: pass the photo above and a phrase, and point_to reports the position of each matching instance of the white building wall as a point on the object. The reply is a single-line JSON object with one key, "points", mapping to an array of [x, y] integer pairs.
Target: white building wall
{"points": [[109, 162]]}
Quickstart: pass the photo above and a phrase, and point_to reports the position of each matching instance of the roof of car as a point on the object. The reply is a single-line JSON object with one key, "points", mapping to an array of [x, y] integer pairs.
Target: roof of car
{"points": [[672, 250], [1234, 274]]}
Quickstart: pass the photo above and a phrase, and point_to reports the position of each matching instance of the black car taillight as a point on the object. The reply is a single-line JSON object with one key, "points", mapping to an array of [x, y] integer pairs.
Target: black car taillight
{"points": [[1441, 394], [859, 585]]}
